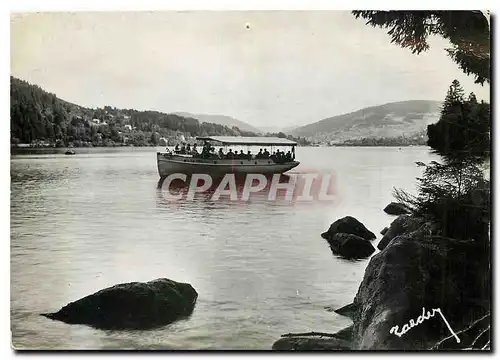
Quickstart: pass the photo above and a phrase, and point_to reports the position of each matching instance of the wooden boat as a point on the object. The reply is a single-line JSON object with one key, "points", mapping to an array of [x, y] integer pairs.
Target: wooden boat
{"points": [[69, 152], [171, 162]]}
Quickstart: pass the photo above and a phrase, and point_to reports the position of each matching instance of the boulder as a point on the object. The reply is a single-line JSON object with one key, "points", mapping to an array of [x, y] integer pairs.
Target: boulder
{"points": [[346, 310], [341, 340], [350, 246], [401, 225], [134, 305], [476, 336], [348, 225], [395, 208], [303, 343], [418, 272], [345, 334]]}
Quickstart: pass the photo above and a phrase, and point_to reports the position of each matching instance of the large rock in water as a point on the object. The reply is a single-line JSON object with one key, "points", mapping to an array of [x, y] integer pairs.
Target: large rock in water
{"points": [[350, 246], [346, 310], [413, 272], [133, 305], [313, 341], [395, 208], [401, 225], [348, 225], [304, 343]]}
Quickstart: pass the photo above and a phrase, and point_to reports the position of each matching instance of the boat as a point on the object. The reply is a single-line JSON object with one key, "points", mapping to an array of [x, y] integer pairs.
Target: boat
{"points": [[69, 152], [172, 162]]}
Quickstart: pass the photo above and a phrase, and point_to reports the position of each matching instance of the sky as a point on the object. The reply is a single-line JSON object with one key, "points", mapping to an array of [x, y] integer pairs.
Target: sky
{"points": [[274, 68]]}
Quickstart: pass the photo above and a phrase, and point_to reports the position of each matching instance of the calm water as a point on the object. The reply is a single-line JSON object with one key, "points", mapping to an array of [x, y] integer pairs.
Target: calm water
{"points": [[81, 223]]}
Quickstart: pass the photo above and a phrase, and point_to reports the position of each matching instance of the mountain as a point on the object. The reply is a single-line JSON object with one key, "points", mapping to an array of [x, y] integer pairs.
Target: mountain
{"points": [[277, 129], [221, 120], [40, 118], [404, 118]]}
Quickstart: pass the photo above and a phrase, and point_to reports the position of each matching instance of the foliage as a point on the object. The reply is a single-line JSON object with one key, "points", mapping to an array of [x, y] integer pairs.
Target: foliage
{"points": [[299, 140], [454, 194], [467, 31], [413, 140], [40, 118], [463, 130]]}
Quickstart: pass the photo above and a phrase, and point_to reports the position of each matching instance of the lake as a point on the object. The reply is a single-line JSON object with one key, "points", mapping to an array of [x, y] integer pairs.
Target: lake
{"points": [[85, 222]]}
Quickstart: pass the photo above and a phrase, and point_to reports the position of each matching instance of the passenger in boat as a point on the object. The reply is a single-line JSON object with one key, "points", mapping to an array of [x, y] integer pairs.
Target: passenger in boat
{"points": [[221, 154], [288, 156], [230, 154], [183, 148], [279, 157], [273, 156], [188, 148], [205, 153], [266, 154], [249, 155], [259, 155], [194, 150], [176, 149], [241, 155], [282, 157]]}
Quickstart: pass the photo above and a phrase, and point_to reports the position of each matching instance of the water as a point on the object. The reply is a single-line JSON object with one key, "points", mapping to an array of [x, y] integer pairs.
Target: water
{"points": [[85, 222]]}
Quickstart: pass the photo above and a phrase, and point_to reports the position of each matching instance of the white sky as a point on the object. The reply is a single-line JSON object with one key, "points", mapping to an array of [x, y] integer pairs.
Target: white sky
{"points": [[287, 68]]}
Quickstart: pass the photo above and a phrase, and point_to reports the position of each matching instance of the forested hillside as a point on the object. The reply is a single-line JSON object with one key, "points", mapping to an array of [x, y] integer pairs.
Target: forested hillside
{"points": [[40, 118]]}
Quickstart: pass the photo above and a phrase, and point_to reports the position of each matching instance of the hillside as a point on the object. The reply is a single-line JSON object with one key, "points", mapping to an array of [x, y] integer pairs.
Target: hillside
{"points": [[277, 129], [40, 118], [221, 120], [392, 120]]}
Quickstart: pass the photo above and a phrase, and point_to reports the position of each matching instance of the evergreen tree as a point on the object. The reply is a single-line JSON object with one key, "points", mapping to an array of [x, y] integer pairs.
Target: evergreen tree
{"points": [[463, 130], [454, 193]]}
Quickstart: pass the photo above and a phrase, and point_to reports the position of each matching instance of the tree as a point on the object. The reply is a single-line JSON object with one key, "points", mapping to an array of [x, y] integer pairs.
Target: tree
{"points": [[463, 130], [467, 31], [154, 139], [454, 193]]}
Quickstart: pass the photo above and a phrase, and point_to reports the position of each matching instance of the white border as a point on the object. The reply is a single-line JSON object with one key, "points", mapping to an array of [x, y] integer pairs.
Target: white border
{"points": [[131, 5]]}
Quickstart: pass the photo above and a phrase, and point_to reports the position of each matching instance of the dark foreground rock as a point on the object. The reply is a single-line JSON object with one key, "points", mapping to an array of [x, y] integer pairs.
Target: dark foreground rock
{"points": [[346, 310], [350, 246], [384, 230], [348, 225], [133, 305], [401, 225], [395, 208], [419, 271], [315, 341], [310, 344], [345, 334], [476, 336]]}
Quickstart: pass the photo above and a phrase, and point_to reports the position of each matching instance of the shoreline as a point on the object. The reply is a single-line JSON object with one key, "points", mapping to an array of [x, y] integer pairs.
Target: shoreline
{"points": [[413, 265]]}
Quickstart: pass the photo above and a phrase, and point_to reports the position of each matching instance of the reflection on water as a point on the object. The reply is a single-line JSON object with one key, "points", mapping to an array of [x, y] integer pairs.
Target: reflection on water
{"points": [[85, 222]]}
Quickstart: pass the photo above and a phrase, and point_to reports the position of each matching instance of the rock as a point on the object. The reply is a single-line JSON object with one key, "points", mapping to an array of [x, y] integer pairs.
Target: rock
{"points": [[384, 230], [345, 334], [401, 225], [395, 208], [348, 225], [350, 246], [475, 336], [133, 305], [310, 344], [413, 272], [346, 310]]}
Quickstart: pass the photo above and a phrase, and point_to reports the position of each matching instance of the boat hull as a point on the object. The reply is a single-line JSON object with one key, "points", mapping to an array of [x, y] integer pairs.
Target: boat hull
{"points": [[172, 164]]}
